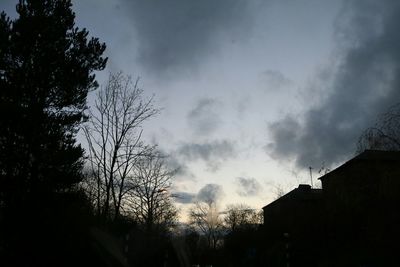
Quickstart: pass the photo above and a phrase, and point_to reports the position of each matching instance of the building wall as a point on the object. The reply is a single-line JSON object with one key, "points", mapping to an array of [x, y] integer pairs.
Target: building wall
{"points": [[292, 227], [353, 222], [361, 215]]}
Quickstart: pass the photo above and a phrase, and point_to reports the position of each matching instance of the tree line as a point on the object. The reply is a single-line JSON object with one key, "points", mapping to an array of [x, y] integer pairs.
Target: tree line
{"points": [[53, 192], [125, 176], [57, 199]]}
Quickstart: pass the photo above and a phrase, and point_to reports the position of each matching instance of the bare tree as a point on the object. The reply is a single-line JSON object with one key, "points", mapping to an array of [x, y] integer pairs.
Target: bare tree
{"points": [[89, 186], [206, 218], [385, 135], [241, 216], [113, 133], [151, 203]]}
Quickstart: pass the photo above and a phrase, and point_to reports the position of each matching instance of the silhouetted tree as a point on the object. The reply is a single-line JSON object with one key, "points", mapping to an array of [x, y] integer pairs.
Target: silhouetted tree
{"points": [[46, 71], [242, 239], [241, 216], [150, 205], [150, 202], [191, 241], [385, 135], [114, 134], [206, 218]]}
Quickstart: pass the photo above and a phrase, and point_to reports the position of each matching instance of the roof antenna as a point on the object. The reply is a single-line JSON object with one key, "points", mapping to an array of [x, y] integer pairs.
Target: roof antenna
{"points": [[311, 176]]}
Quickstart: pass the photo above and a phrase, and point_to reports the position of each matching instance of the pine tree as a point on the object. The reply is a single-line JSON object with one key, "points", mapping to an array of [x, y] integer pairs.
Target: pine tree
{"points": [[47, 68]]}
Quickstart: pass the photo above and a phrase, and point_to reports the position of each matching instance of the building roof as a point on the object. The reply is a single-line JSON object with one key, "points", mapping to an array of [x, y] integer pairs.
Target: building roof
{"points": [[303, 192], [367, 156]]}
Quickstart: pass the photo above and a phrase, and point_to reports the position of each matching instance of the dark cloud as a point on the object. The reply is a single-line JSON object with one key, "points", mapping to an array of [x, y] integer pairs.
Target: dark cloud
{"points": [[178, 34], [210, 193], [204, 117], [248, 187], [366, 82], [182, 171], [275, 79], [212, 153], [208, 151], [184, 197]]}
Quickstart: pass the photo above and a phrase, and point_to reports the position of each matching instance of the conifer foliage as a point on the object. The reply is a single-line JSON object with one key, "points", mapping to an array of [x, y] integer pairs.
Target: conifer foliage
{"points": [[47, 68]]}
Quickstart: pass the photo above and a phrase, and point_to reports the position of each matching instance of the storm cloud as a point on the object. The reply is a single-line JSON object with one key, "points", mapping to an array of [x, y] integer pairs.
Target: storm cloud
{"points": [[178, 34], [210, 193], [184, 197], [248, 187], [182, 171], [204, 117], [213, 153], [275, 79], [365, 83]]}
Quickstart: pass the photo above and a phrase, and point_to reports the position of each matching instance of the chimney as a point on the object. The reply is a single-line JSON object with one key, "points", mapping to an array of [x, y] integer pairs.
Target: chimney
{"points": [[304, 187]]}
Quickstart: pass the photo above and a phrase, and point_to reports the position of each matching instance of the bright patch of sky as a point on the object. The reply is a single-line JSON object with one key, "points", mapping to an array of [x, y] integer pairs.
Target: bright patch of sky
{"points": [[248, 72]]}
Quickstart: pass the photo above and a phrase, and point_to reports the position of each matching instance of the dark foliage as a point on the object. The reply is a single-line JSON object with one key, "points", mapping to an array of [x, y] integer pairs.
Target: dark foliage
{"points": [[150, 248], [43, 234], [46, 71], [385, 135], [241, 246]]}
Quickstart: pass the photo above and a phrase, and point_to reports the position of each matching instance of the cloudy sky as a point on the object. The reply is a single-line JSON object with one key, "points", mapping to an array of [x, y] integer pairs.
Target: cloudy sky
{"points": [[253, 91]]}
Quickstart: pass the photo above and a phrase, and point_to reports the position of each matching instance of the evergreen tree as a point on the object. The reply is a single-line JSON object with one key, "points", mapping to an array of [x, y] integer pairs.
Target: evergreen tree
{"points": [[47, 69]]}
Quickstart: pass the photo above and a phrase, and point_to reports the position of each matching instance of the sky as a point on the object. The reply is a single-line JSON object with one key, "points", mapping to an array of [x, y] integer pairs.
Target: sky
{"points": [[253, 92]]}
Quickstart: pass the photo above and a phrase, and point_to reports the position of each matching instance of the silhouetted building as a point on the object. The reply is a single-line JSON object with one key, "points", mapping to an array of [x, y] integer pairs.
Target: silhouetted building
{"points": [[292, 227], [353, 221], [362, 214]]}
